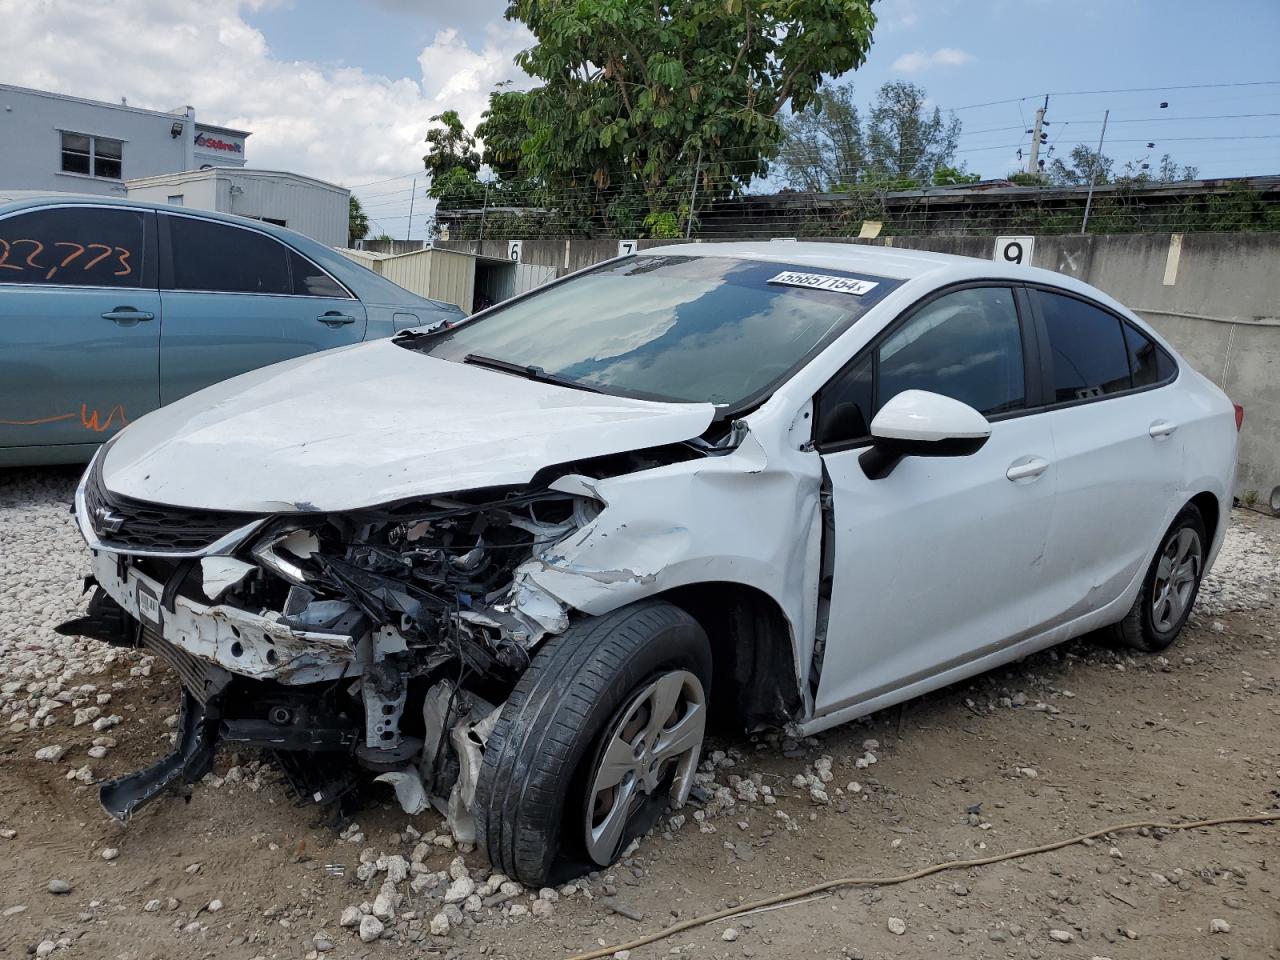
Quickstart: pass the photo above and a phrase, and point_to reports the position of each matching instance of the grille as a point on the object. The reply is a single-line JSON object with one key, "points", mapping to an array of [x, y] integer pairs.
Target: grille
{"points": [[196, 674], [127, 524]]}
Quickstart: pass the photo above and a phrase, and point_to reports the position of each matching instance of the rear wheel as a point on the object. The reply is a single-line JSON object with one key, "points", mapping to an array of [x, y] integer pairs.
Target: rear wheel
{"points": [[601, 732], [1170, 587]]}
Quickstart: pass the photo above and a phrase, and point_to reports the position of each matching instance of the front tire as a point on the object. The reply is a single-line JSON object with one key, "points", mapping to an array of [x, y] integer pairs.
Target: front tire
{"points": [[1170, 587], [605, 724]]}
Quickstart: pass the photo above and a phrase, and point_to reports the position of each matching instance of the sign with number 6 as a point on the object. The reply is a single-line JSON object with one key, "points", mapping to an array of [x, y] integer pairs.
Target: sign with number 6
{"points": [[1014, 250], [514, 249]]}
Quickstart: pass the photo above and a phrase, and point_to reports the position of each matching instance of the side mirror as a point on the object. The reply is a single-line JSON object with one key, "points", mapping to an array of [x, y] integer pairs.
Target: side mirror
{"points": [[917, 423]]}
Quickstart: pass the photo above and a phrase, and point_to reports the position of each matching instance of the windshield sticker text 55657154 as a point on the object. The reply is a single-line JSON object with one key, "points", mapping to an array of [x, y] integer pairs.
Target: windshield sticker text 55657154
{"points": [[822, 281]]}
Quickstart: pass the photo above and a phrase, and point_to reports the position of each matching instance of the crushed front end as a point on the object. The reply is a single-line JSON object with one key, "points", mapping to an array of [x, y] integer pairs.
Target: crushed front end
{"points": [[381, 640]]}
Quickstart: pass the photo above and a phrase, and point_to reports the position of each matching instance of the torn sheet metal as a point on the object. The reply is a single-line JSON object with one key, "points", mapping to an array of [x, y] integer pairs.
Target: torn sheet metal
{"points": [[220, 573]]}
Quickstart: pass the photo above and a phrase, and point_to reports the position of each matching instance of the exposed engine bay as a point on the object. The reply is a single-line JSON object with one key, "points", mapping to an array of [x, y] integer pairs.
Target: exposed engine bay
{"points": [[382, 640]]}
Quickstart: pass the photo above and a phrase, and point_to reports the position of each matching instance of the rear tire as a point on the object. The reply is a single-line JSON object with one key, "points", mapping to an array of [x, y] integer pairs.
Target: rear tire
{"points": [[584, 689], [1170, 587]]}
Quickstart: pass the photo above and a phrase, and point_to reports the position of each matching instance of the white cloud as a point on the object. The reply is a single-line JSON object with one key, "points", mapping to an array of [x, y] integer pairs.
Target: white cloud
{"points": [[895, 15], [337, 123], [919, 60]]}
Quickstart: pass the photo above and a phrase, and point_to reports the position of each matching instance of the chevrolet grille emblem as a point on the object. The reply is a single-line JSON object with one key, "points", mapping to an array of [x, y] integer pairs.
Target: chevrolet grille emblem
{"points": [[106, 521]]}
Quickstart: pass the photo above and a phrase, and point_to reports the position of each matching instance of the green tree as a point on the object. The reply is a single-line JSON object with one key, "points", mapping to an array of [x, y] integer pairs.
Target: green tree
{"points": [[823, 146], [1086, 165], [954, 177], [452, 160], [638, 95], [905, 140], [357, 220]]}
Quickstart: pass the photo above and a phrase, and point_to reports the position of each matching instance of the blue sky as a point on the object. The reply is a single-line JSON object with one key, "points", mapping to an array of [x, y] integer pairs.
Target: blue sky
{"points": [[343, 90]]}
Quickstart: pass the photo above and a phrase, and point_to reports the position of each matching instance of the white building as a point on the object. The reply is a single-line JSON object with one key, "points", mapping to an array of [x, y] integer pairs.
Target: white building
{"points": [[50, 141], [312, 207]]}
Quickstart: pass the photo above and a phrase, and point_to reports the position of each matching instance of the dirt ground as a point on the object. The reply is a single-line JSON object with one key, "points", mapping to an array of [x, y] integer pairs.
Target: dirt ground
{"points": [[1084, 736]]}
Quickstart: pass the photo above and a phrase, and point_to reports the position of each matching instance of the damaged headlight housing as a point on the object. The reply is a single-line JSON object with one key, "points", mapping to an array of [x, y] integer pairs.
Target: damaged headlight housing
{"points": [[435, 569]]}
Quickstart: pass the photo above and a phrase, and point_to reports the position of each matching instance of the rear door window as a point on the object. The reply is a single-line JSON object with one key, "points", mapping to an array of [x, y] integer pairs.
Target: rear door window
{"points": [[1089, 353], [221, 258], [75, 246]]}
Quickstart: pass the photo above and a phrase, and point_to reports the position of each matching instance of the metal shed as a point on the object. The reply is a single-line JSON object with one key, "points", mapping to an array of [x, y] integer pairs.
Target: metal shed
{"points": [[430, 272]]}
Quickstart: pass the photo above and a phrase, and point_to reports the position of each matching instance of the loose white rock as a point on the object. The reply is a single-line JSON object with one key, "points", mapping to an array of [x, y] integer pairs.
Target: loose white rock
{"points": [[897, 926], [370, 929], [1219, 926]]}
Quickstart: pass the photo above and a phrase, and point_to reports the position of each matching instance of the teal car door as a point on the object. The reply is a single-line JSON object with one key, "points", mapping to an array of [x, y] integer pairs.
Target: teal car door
{"points": [[236, 298], [80, 320]]}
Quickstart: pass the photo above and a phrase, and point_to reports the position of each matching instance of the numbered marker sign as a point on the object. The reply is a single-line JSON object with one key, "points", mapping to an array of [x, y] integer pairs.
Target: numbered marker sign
{"points": [[1015, 250], [515, 248], [627, 247]]}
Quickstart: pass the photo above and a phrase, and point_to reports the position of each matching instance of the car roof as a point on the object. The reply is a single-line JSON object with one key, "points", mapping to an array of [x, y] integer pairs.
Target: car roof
{"points": [[367, 285], [881, 261]]}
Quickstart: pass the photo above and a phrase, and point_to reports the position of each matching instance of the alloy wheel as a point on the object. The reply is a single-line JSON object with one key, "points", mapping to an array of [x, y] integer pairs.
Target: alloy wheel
{"points": [[1177, 574], [655, 739]]}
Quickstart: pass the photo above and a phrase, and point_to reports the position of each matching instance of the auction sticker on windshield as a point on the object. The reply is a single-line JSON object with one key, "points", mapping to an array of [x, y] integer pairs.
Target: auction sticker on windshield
{"points": [[822, 281]]}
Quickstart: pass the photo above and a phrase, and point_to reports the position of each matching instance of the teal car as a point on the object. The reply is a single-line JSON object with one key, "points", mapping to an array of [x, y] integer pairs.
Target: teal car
{"points": [[112, 308]]}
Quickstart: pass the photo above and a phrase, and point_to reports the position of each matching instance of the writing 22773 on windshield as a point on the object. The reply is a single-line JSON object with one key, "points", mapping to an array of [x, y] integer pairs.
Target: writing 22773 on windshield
{"points": [[822, 281]]}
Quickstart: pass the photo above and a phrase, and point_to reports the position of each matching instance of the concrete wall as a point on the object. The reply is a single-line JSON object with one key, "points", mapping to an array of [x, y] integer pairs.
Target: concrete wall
{"points": [[1214, 296]]}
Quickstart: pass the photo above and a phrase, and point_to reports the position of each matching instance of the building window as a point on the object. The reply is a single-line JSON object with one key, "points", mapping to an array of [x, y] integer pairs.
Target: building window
{"points": [[175, 199], [92, 156]]}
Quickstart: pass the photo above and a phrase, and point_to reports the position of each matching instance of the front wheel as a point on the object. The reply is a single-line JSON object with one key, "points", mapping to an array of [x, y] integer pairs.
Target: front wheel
{"points": [[1170, 587], [602, 730]]}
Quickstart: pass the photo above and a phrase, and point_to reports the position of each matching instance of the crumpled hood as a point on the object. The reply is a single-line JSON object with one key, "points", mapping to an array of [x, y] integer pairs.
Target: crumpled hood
{"points": [[371, 424]]}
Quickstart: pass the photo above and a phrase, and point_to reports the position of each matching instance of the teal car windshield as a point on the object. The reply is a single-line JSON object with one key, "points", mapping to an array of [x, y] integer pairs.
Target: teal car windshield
{"points": [[705, 329]]}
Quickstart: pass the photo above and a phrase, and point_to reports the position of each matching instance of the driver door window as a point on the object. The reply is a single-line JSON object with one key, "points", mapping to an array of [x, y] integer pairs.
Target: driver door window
{"points": [[966, 345]]}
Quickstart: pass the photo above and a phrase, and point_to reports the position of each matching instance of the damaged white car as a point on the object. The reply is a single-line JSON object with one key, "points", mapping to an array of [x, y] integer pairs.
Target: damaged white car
{"points": [[517, 566]]}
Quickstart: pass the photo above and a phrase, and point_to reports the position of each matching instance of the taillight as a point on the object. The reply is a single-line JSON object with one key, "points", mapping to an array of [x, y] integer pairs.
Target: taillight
{"points": [[1239, 416]]}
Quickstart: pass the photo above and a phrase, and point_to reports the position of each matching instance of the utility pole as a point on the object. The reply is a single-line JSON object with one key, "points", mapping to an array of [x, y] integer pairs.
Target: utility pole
{"points": [[412, 196], [1093, 173], [693, 196], [484, 209], [1033, 163]]}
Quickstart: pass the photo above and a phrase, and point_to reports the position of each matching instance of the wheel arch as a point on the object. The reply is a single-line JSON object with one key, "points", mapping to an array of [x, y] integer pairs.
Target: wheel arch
{"points": [[755, 682], [1210, 511]]}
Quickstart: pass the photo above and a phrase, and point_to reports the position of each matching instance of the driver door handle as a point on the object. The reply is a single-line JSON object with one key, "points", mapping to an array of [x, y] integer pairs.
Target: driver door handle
{"points": [[127, 316], [336, 319], [1162, 429], [1026, 469]]}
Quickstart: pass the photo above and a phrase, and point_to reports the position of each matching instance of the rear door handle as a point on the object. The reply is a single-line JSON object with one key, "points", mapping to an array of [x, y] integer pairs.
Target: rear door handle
{"points": [[1162, 429], [336, 319], [127, 316], [1026, 469]]}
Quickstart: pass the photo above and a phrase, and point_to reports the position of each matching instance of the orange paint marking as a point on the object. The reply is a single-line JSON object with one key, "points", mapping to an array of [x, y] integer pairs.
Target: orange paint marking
{"points": [[32, 423], [90, 419]]}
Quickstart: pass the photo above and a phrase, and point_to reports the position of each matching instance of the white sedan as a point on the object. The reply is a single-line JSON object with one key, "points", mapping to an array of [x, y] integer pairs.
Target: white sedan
{"points": [[516, 565]]}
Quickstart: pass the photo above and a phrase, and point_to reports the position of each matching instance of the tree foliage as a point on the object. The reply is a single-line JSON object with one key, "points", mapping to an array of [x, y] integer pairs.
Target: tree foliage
{"points": [[637, 98], [451, 159], [1087, 163], [823, 147], [899, 144], [357, 220]]}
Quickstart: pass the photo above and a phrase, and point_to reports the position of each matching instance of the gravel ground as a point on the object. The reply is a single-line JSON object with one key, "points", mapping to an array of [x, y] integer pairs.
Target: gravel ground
{"points": [[1057, 744]]}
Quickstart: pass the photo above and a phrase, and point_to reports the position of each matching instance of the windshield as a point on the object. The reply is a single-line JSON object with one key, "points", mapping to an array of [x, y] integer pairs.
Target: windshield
{"points": [[711, 329]]}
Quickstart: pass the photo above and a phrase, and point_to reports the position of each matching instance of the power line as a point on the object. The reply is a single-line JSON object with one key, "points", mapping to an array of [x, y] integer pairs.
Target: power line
{"points": [[1086, 93]]}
